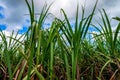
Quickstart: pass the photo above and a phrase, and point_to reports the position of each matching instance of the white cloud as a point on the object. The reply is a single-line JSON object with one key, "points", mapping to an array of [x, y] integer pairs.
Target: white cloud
{"points": [[8, 36], [15, 9]]}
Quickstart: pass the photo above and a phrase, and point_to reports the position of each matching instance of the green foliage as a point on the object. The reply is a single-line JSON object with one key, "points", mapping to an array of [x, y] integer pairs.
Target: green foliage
{"points": [[61, 52]]}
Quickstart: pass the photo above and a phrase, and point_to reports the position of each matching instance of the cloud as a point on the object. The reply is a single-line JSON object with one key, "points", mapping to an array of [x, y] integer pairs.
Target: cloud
{"points": [[12, 12], [8, 34]]}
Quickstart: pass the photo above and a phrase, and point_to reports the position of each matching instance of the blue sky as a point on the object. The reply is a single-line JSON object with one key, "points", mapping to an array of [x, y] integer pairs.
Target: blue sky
{"points": [[3, 26], [2, 16], [12, 12]]}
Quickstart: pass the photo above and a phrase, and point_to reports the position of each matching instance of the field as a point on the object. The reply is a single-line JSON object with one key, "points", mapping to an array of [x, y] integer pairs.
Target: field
{"points": [[62, 52]]}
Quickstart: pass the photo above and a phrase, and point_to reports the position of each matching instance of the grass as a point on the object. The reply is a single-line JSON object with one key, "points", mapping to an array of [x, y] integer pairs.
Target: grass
{"points": [[61, 52]]}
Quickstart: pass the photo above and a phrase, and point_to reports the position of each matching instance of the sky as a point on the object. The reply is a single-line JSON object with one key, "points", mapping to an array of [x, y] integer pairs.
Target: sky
{"points": [[12, 12]]}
